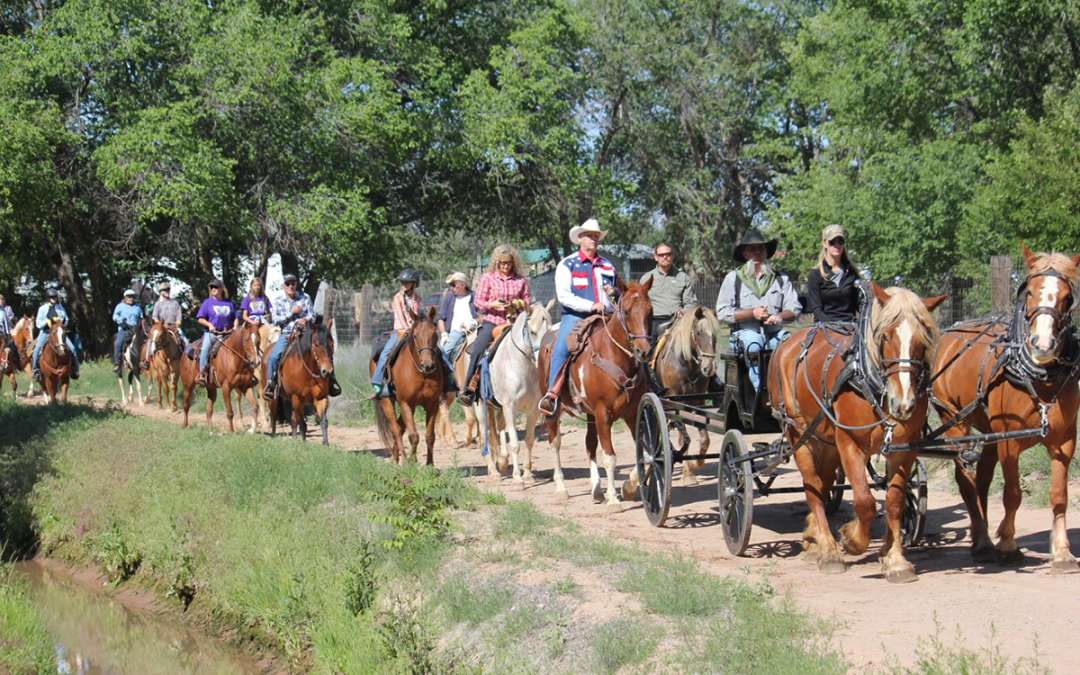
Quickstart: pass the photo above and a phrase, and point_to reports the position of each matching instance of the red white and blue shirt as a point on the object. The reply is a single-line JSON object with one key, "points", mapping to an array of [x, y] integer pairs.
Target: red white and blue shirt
{"points": [[579, 281]]}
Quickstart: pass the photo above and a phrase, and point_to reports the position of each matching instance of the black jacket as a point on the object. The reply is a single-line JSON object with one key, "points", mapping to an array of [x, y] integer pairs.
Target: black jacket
{"points": [[829, 302]]}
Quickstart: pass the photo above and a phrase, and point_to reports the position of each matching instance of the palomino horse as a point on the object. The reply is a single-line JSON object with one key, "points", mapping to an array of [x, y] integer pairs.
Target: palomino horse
{"points": [[268, 335], [444, 427], [10, 361], [23, 334], [1000, 376], [417, 375], [515, 384], [839, 409], [130, 359], [605, 381], [686, 362], [55, 362], [305, 370], [162, 351], [233, 369]]}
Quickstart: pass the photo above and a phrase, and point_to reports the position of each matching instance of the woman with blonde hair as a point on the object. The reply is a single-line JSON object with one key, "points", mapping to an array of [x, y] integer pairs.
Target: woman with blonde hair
{"points": [[831, 294], [500, 294]]}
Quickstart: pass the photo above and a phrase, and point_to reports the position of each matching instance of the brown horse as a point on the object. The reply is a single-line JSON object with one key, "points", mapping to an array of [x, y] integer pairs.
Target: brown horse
{"points": [[55, 362], [417, 374], [305, 370], [163, 350], [232, 369], [444, 427], [10, 361], [605, 382], [23, 334], [1000, 376], [686, 361], [852, 417]]}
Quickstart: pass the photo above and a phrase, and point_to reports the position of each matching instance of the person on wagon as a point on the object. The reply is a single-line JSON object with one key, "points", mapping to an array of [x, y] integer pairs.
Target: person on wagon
{"points": [[52, 309], [256, 308], [457, 315], [216, 315], [671, 292], [406, 308], [126, 316], [584, 285], [831, 294], [756, 300]]}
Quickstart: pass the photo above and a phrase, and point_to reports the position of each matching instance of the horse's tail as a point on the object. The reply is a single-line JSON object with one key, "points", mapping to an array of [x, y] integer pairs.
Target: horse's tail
{"points": [[382, 422]]}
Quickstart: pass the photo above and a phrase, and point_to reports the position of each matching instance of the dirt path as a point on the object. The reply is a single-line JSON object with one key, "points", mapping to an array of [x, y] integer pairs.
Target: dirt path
{"points": [[879, 624]]}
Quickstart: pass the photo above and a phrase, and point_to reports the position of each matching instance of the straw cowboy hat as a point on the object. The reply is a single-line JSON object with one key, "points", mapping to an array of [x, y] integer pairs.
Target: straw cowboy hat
{"points": [[457, 276], [589, 225], [749, 238]]}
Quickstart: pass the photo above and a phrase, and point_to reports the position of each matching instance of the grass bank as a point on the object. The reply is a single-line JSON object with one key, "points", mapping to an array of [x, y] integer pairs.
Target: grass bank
{"points": [[24, 643]]}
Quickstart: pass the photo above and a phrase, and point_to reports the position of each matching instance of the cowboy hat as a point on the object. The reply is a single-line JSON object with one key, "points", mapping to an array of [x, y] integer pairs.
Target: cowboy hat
{"points": [[164, 286], [749, 238], [589, 225], [455, 277]]}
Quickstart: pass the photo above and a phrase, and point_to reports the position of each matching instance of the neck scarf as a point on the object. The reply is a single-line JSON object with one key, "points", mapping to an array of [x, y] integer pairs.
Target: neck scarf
{"points": [[758, 286]]}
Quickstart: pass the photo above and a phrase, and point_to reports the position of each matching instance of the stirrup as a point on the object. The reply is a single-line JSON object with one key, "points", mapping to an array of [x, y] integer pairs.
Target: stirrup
{"points": [[550, 409], [465, 398], [201, 378], [270, 391]]}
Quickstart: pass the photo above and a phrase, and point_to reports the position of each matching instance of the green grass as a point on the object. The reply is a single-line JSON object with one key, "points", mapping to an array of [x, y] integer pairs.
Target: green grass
{"points": [[622, 642], [935, 658], [25, 646]]}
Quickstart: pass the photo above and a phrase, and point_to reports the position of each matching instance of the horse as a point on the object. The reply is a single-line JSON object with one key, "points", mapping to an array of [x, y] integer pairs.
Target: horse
{"points": [[417, 376], [605, 381], [23, 335], [686, 362], [844, 395], [233, 369], [305, 370], [162, 351], [10, 362], [268, 336], [132, 358], [55, 362], [444, 427], [999, 376], [515, 384]]}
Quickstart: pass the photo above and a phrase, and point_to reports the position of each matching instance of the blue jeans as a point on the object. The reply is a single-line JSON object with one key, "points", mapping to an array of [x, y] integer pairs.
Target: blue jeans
{"points": [[376, 377], [279, 347], [121, 335], [204, 348], [456, 338], [753, 342], [559, 353], [43, 337]]}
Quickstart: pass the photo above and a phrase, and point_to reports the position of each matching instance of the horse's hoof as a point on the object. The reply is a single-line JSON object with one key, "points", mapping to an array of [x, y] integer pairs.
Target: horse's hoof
{"points": [[1010, 558], [901, 575], [614, 507], [811, 553], [984, 553], [689, 478], [629, 492], [1064, 566], [832, 566], [597, 494], [561, 495]]}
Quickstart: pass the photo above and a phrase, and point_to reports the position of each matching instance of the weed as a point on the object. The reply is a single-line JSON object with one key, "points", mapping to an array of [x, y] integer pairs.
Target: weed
{"points": [[677, 587], [465, 601], [360, 580], [116, 554], [565, 585], [519, 519], [25, 646], [623, 642], [937, 659], [411, 645]]}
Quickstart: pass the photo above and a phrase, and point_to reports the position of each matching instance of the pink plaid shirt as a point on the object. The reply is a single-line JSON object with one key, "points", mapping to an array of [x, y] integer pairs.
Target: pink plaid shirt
{"points": [[492, 287]]}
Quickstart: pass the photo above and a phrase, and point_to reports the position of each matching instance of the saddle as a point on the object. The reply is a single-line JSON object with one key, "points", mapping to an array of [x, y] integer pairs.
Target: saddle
{"points": [[376, 349], [497, 337], [194, 346], [578, 338]]}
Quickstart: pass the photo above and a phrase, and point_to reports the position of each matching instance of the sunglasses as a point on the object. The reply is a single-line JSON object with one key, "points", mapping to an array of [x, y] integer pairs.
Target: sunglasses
{"points": [[213, 287], [290, 283], [666, 254], [837, 241]]}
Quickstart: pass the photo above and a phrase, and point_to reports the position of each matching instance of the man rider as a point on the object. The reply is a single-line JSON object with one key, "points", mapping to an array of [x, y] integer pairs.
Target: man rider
{"points": [[52, 309], [167, 311], [126, 315], [291, 311]]}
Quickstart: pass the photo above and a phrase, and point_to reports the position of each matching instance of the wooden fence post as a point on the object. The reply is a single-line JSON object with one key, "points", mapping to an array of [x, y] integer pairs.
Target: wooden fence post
{"points": [[1000, 282], [362, 312]]}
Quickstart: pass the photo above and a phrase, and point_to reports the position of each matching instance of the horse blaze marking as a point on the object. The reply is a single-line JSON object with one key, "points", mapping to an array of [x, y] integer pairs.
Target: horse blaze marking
{"points": [[906, 336], [1044, 323]]}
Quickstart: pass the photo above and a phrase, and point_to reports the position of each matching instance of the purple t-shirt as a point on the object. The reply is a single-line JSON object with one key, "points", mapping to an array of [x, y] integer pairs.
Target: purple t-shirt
{"points": [[220, 313], [257, 308]]}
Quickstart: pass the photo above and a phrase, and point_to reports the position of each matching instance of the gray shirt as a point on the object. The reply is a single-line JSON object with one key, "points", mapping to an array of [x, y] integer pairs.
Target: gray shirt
{"points": [[780, 296], [670, 292], [166, 311]]}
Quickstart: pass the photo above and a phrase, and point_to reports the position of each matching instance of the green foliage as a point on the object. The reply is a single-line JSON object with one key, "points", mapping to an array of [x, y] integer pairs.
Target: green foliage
{"points": [[676, 587], [417, 506], [519, 518], [25, 646], [936, 658], [621, 643]]}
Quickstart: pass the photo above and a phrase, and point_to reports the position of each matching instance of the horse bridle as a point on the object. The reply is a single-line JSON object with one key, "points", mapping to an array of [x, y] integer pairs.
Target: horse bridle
{"points": [[630, 337], [316, 345], [419, 350], [1062, 319], [224, 337]]}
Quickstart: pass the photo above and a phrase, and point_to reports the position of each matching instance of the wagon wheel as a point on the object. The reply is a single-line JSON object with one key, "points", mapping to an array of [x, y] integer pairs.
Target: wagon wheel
{"points": [[735, 489], [654, 460], [913, 522], [836, 494]]}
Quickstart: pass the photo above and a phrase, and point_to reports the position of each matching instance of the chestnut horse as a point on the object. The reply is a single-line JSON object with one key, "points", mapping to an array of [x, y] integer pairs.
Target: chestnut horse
{"points": [[162, 351], [1000, 376], [854, 403], [10, 361], [617, 349], [55, 362], [417, 375], [305, 370], [232, 369], [23, 334], [686, 362]]}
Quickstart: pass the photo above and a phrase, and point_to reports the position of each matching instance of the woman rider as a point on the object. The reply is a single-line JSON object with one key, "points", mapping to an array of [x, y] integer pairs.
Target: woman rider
{"points": [[216, 315], [256, 309], [496, 293], [406, 307], [831, 294]]}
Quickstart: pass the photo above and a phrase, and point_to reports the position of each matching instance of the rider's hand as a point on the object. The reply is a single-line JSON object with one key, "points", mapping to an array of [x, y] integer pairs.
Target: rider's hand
{"points": [[301, 322], [444, 339], [773, 320], [610, 290], [296, 309], [761, 313], [496, 304], [598, 308]]}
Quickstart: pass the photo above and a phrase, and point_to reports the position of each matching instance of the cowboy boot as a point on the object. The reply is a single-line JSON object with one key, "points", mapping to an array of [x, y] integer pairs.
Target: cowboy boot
{"points": [[549, 404], [468, 397], [203, 377], [270, 390]]}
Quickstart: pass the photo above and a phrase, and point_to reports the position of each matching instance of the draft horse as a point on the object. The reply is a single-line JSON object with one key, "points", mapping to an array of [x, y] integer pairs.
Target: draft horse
{"points": [[605, 382], [1000, 376], [843, 396], [306, 367], [232, 369], [417, 375], [685, 362], [55, 362], [163, 350]]}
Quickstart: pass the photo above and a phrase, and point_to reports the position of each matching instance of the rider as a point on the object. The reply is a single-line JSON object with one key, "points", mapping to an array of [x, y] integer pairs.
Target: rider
{"points": [[167, 311], [406, 306], [496, 292], [52, 309], [256, 308], [126, 316], [7, 317], [584, 285], [291, 311], [756, 300], [671, 292], [831, 294], [457, 312], [217, 315]]}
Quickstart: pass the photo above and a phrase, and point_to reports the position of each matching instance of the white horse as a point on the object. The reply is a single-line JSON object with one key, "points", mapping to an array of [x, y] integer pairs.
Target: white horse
{"points": [[515, 384]]}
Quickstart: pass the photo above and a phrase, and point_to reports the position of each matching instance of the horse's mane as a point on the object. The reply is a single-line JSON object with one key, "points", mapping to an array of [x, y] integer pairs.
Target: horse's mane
{"points": [[316, 329], [903, 304], [681, 338], [20, 325], [1056, 262]]}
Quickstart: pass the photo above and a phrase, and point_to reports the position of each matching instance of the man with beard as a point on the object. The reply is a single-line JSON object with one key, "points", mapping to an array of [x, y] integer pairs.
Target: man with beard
{"points": [[756, 300]]}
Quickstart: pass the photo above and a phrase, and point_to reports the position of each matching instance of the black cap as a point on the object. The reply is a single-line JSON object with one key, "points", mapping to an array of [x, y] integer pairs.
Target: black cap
{"points": [[216, 283], [290, 277], [409, 274]]}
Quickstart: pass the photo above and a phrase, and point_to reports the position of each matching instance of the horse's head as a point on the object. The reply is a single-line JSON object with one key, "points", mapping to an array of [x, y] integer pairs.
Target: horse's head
{"points": [[56, 336], [693, 339], [425, 337], [540, 320], [635, 312], [1048, 296], [903, 335], [252, 345], [322, 347]]}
